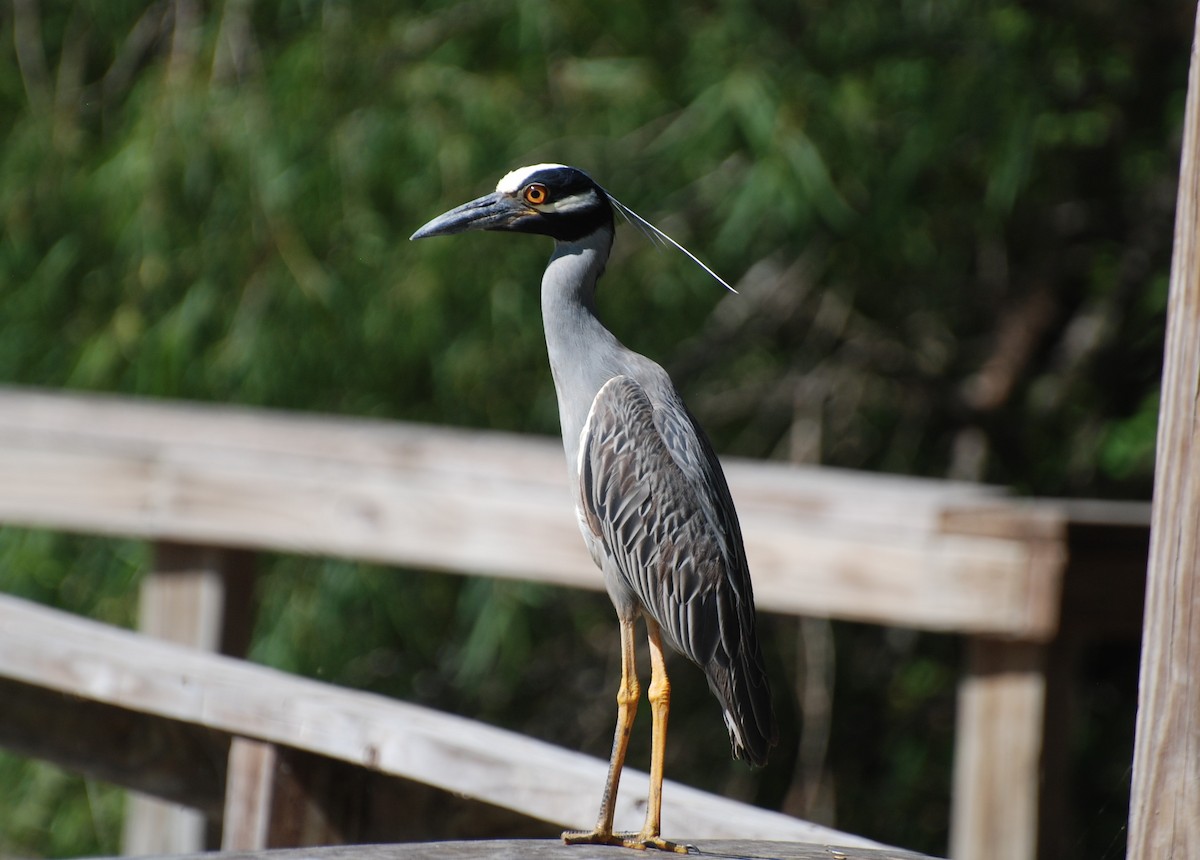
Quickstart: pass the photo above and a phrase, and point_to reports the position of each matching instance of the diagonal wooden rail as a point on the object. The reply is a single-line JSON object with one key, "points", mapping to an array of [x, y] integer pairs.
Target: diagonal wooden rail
{"points": [[51, 650]]}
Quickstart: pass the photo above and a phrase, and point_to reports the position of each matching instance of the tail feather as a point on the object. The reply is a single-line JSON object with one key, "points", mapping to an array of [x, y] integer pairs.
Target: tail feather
{"points": [[744, 692]]}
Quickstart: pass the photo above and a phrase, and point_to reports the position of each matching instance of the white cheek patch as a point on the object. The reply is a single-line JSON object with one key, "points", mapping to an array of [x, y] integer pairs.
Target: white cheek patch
{"points": [[512, 181], [570, 204]]}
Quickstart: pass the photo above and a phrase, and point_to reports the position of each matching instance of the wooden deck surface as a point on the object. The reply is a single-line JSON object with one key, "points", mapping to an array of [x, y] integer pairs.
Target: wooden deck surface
{"points": [[553, 849]]}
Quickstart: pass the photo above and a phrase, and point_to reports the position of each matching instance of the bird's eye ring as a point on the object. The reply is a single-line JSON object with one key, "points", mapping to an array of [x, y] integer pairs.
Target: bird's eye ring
{"points": [[536, 194]]}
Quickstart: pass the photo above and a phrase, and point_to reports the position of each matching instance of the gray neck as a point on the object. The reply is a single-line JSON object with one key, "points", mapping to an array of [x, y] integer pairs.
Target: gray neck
{"points": [[583, 353]]}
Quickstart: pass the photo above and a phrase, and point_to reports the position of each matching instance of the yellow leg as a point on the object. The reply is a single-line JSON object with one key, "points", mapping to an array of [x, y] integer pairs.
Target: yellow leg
{"points": [[627, 702], [660, 707]]}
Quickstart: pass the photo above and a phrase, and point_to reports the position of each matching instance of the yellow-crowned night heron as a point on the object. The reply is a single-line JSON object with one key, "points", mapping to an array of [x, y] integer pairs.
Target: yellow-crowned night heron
{"points": [[651, 498]]}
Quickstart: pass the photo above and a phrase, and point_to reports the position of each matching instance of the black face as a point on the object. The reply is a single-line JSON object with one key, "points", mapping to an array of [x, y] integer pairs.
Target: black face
{"points": [[569, 204], [549, 200]]}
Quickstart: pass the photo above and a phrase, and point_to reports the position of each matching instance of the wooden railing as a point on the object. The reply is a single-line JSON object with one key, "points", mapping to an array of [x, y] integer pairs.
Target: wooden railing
{"points": [[208, 484]]}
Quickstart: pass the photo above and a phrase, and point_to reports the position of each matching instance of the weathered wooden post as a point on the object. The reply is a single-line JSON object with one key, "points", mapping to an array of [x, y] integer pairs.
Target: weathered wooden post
{"points": [[1164, 817], [199, 596]]}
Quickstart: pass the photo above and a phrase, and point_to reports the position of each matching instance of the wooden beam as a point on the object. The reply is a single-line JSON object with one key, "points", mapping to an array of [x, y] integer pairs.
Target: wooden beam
{"points": [[168, 759], [917, 553], [554, 849], [249, 795], [58, 651], [186, 764], [1164, 819], [997, 753], [282, 798], [202, 597]]}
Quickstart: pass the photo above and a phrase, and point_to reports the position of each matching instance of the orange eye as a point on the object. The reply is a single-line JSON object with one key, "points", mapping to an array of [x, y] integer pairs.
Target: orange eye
{"points": [[536, 194]]}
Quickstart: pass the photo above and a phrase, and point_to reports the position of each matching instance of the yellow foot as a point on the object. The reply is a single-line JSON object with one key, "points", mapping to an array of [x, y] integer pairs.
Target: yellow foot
{"points": [[643, 841], [637, 841], [595, 837]]}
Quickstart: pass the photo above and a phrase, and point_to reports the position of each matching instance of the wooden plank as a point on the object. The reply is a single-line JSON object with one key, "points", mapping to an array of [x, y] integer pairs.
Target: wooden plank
{"points": [[298, 799], [187, 765], [316, 801], [175, 761], [201, 596], [1164, 817], [249, 795], [58, 651], [184, 599], [820, 542], [279, 798], [997, 753], [554, 849], [154, 826]]}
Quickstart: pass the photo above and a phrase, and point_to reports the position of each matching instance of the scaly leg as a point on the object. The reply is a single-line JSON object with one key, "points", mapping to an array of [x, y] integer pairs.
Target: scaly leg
{"points": [[627, 702], [660, 706]]}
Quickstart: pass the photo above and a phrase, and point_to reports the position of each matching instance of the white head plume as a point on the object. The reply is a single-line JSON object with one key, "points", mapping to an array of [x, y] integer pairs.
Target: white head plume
{"points": [[512, 182], [660, 237]]}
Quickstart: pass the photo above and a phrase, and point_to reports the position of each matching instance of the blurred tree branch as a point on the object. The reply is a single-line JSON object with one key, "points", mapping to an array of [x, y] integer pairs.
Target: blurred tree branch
{"points": [[31, 57]]}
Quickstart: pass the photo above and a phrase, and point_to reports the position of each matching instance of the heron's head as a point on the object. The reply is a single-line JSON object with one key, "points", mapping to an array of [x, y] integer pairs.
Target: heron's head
{"points": [[552, 200]]}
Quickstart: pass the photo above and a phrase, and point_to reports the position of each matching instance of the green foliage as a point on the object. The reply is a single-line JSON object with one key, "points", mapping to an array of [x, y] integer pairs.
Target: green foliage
{"points": [[950, 225], [43, 810], [55, 812]]}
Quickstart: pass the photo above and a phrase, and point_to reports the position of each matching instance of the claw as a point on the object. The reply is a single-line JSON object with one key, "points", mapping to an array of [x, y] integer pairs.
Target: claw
{"points": [[636, 841], [642, 841]]}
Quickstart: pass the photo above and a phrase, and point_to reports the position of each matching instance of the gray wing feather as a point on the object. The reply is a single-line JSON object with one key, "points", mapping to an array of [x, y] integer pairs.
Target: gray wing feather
{"points": [[653, 495], [639, 503]]}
